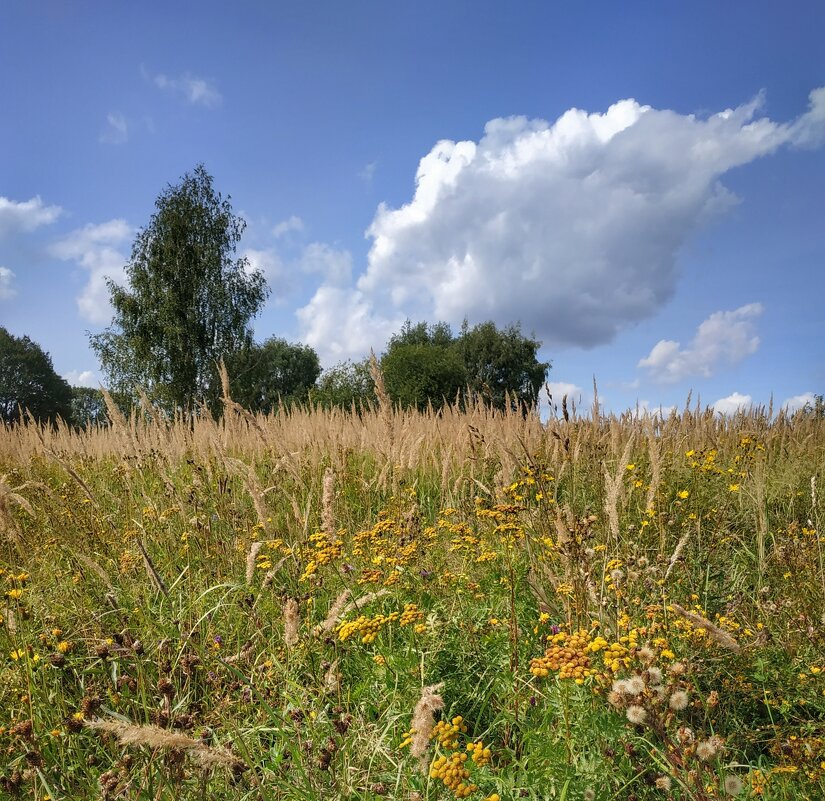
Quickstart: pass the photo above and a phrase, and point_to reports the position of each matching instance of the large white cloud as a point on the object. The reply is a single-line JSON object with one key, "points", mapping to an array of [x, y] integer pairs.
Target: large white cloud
{"points": [[724, 339], [99, 250], [571, 227], [26, 215], [82, 378]]}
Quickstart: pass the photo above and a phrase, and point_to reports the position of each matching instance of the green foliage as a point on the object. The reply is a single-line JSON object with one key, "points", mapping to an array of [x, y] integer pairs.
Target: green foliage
{"points": [[88, 407], [28, 382], [428, 365], [501, 364], [273, 372], [423, 366], [188, 302], [346, 385]]}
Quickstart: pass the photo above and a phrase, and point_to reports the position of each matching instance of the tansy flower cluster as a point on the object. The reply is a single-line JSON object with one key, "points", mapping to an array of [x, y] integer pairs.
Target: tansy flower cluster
{"points": [[368, 628]]}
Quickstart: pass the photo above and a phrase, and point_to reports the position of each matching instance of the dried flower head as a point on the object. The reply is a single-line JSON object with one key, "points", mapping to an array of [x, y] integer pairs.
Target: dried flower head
{"points": [[732, 784], [663, 783], [685, 735], [635, 685], [706, 749], [654, 676], [636, 714], [646, 654], [292, 621], [678, 701], [423, 720]]}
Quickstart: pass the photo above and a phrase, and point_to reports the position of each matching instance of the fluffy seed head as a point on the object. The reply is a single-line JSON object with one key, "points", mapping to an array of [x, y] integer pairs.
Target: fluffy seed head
{"points": [[636, 714], [732, 784], [678, 701], [663, 783], [706, 750]]}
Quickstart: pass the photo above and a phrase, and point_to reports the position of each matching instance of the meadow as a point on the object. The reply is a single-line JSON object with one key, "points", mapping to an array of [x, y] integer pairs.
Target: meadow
{"points": [[464, 604]]}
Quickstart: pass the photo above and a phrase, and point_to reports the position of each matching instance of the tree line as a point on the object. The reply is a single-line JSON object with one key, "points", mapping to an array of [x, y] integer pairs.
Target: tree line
{"points": [[188, 304]]}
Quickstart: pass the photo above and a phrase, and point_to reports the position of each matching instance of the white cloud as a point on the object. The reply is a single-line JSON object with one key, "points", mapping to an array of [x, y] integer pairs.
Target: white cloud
{"points": [[7, 290], [732, 403], [25, 215], [558, 389], [273, 268], [196, 91], [368, 173], [798, 402], [334, 265], [724, 339], [97, 249], [340, 324], [82, 378], [285, 226], [116, 131], [572, 227]]}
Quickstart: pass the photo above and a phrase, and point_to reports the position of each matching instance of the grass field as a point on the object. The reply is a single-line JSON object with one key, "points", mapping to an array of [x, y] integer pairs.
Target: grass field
{"points": [[317, 605]]}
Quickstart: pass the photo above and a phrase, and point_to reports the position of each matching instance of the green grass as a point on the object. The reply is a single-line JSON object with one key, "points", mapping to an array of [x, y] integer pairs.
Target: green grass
{"points": [[502, 535]]}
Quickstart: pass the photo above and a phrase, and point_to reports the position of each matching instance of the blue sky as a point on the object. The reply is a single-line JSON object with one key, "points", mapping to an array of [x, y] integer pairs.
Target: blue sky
{"points": [[640, 184]]}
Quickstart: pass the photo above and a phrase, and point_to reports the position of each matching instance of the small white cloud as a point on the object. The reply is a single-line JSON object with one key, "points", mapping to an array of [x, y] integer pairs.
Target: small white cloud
{"points": [[334, 265], [732, 404], [82, 378], [724, 339], [367, 174], [196, 91], [25, 215], [648, 409], [294, 223], [271, 266], [116, 131], [558, 389], [96, 248], [798, 402], [7, 290]]}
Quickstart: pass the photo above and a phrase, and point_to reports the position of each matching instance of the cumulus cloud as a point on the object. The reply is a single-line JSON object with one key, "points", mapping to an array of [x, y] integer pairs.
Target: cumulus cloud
{"points": [[82, 378], [724, 339], [98, 250], [7, 290], [293, 223], [732, 403], [116, 131], [340, 323], [572, 227], [25, 215], [194, 90], [797, 402], [558, 389]]}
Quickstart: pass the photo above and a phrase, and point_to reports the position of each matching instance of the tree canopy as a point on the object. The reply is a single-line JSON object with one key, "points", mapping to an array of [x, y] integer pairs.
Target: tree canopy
{"points": [[188, 301], [273, 372], [29, 382], [429, 365]]}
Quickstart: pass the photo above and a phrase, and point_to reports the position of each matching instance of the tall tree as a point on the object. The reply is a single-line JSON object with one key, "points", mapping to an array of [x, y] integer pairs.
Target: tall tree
{"points": [[276, 371], [422, 366], [188, 302], [347, 385], [502, 364], [28, 382]]}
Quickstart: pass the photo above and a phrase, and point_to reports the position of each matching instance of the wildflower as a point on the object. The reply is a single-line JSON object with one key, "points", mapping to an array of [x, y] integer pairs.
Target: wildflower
{"points": [[732, 784], [678, 701], [630, 467], [706, 749], [663, 783], [683, 494], [636, 714], [733, 488], [654, 675]]}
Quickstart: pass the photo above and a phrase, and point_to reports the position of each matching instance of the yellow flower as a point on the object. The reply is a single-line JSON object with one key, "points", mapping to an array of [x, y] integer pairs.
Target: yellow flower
{"points": [[683, 494], [733, 487], [630, 467]]}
